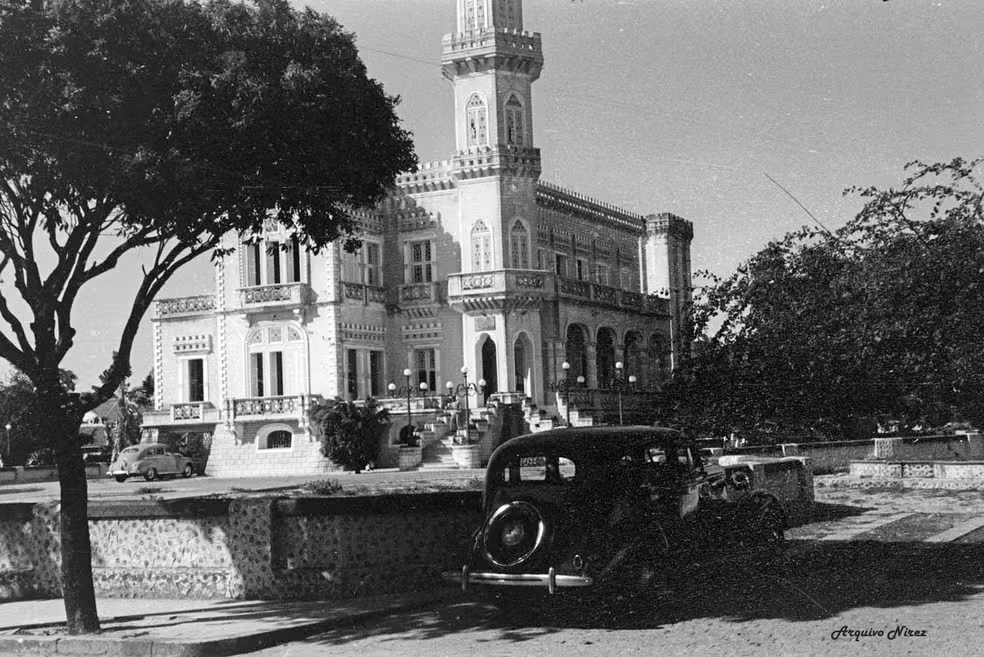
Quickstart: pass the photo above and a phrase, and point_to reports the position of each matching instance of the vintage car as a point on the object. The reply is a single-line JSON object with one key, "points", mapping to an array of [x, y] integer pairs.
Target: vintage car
{"points": [[150, 461], [604, 509]]}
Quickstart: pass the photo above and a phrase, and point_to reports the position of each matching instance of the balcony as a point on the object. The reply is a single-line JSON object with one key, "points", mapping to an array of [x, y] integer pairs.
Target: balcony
{"points": [[184, 306], [364, 294], [183, 414], [420, 294], [265, 409], [507, 289], [278, 295], [502, 289]]}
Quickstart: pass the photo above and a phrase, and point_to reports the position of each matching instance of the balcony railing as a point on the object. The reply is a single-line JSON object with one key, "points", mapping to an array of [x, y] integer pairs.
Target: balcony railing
{"points": [[363, 293], [501, 288], [284, 407], [512, 287], [278, 294], [420, 294], [197, 305]]}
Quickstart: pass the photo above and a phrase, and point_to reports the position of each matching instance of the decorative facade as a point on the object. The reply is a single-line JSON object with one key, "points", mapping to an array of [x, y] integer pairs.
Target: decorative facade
{"points": [[470, 262]]}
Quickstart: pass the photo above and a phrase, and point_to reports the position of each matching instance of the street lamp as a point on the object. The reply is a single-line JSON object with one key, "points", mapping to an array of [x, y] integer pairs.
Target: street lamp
{"points": [[618, 384], [466, 390], [6, 441], [564, 386]]}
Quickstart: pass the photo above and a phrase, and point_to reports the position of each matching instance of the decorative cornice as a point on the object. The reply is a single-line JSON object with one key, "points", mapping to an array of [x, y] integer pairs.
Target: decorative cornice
{"points": [[553, 197]]}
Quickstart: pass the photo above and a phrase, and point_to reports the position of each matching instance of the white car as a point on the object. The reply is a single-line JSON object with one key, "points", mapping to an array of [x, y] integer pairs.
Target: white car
{"points": [[150, 461]]}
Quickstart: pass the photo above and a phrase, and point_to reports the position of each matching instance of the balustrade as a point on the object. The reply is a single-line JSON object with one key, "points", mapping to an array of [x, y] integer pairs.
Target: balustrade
{"points": [[185, 305], [276, 294]]}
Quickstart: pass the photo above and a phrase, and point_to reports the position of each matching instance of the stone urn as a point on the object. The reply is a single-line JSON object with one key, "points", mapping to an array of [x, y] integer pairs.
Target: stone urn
{"points": [[410, 457], [467, 456]]}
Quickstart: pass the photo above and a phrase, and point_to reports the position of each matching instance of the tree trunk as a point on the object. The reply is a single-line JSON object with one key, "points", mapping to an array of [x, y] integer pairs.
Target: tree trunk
{"points": [[62, 429]]}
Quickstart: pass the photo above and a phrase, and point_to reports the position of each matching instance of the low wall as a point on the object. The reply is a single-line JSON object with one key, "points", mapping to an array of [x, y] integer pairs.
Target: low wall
{"points": [[257, 548], [918, 469], [21, 473], [828, 457]]}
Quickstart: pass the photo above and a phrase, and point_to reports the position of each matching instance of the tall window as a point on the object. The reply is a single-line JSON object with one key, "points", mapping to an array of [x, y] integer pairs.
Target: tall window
{"points": [[601, 274], [269, 262], [515, 131], [421, 263], [352, 373], [193, 380], [560, 265], [425, 363], [477, 117], [481, 238], [376, 383], [474, 14], [374, 274], [364, 266], [581, 270], [276, 361], [519, 245]]}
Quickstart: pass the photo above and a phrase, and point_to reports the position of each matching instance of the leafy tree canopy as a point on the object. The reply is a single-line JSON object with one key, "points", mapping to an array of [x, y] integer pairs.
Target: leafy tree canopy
{"points": [[879, 318], [158, 126], [165, 125]]}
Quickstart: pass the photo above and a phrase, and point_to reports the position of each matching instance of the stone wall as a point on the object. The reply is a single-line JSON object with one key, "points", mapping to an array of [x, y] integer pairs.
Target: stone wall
{"points": [[828, 457], [255, 548]]}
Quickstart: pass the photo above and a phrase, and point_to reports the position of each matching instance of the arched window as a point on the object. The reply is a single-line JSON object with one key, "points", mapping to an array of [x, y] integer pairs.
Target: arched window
{"points": [[481, 238], [474, 14], [274, 436], [515, 130], [276, 361], [477, 119], [519, 245]]}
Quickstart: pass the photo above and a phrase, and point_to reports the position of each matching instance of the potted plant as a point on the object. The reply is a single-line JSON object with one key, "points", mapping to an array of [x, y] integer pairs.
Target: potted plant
{"points": [[411, 453]]}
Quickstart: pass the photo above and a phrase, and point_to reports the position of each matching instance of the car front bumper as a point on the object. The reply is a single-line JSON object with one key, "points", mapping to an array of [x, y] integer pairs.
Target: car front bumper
{"points": [[549, 580]]}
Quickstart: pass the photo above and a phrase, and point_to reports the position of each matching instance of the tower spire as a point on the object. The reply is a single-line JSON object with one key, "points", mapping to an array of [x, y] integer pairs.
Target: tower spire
{"points": [[492, 63]]}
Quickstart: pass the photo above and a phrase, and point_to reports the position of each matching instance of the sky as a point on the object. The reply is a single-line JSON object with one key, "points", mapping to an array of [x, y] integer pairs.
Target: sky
{"points": [[683, 106]]}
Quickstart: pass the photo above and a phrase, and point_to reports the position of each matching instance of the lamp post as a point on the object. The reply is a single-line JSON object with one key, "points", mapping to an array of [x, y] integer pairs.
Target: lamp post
{"points": [[618, 384], [6, 441], [466, 390]]}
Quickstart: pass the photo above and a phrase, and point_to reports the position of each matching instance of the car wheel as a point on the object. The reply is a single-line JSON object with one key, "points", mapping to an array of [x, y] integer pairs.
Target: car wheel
{"points": [[150, 474], [188, 471], [120, 478], [766, 538]]}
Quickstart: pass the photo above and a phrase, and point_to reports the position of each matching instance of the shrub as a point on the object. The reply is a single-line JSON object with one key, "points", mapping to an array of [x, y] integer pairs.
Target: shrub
{"points": [[350, 432], [323, 487]]}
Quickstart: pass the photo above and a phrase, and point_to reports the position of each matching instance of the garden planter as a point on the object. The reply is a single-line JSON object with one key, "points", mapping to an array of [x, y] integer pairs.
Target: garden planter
{"points": [[410, 457], [467, 456]]}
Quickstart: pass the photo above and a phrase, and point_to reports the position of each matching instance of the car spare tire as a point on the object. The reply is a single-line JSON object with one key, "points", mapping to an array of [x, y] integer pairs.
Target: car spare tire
{"points": [[513, 533]]}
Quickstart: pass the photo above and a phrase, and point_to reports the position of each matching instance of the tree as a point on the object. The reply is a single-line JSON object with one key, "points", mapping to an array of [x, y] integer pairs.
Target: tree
{"points": [[19, 411], [159, 126], [820, 329], [350, 432], [143, 395]]}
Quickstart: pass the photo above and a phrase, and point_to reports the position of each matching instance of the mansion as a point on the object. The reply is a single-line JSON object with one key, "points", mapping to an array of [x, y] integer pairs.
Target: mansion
{"points": [[471, 262]]}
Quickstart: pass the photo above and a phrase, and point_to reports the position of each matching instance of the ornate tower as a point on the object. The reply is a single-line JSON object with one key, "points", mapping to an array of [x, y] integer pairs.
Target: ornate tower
{"points": [[492, 64], [667, 271]]}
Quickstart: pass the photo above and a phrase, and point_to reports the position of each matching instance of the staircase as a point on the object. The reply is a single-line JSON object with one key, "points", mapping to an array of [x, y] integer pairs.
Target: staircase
{"points": [[539, 420]]}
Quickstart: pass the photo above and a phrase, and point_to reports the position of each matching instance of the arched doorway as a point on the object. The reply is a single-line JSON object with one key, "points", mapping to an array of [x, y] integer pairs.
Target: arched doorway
{"points": [[523, 364], [605, 355], [575, 351], [489, 368], [657, 358]]}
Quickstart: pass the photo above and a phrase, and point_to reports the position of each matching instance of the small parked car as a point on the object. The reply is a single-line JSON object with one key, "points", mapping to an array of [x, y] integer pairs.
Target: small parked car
{"points": [[150, 461], [609, 509]]}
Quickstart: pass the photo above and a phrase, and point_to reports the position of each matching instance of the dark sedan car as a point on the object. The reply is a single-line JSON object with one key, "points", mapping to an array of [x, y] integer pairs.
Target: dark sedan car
{"points": [[607, 508]]}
